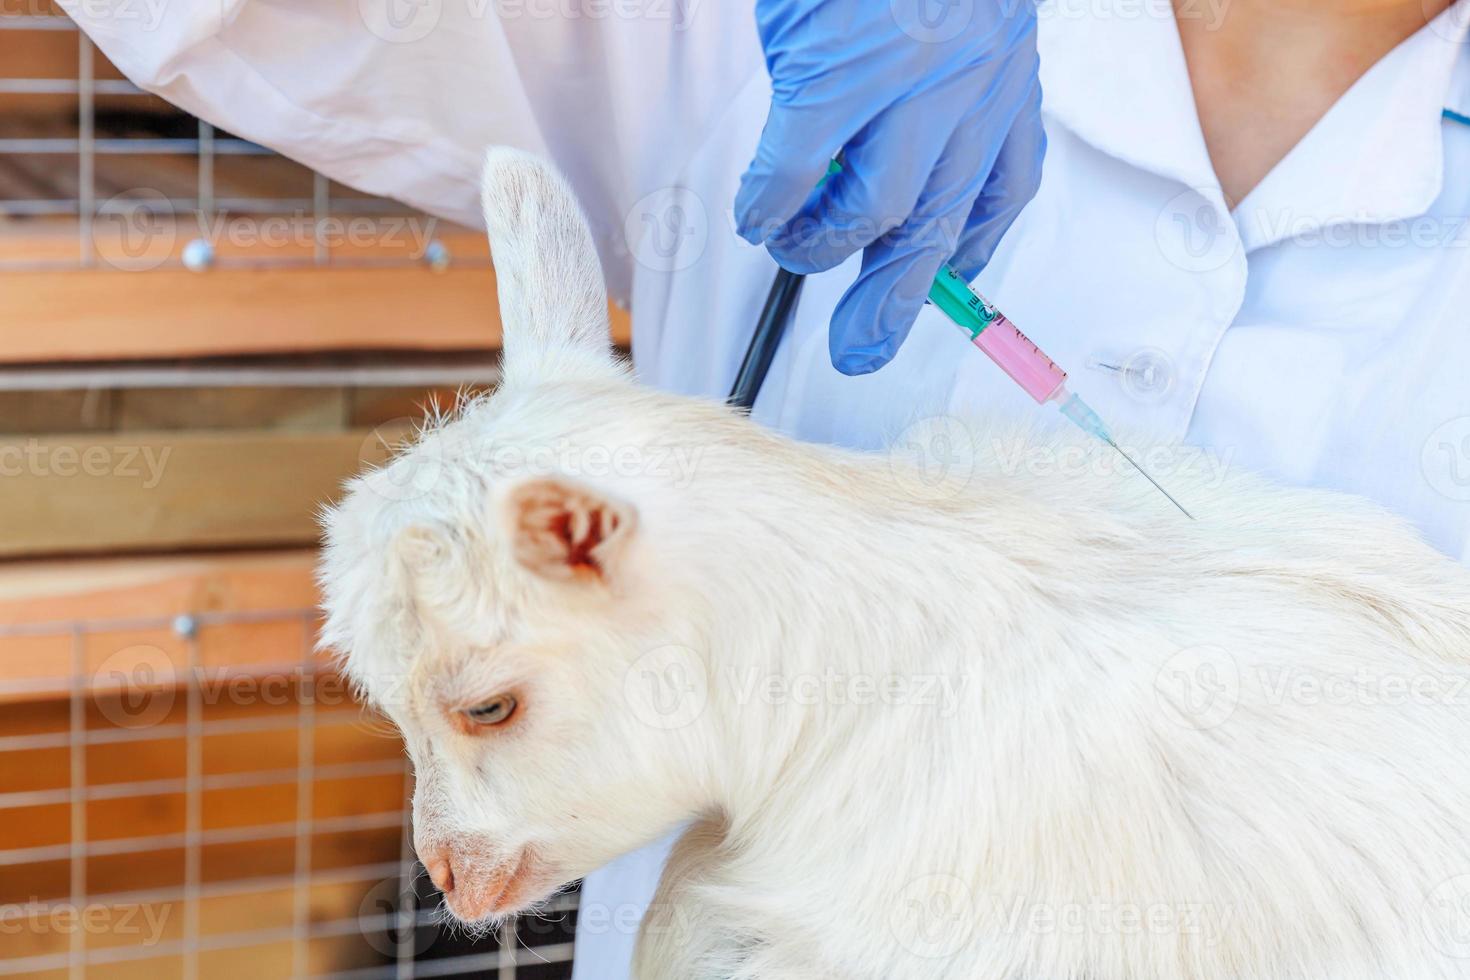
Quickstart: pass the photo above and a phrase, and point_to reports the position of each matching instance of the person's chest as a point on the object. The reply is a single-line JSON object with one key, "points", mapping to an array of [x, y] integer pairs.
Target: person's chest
{"points": [[1334, 357], [1338, 357]]}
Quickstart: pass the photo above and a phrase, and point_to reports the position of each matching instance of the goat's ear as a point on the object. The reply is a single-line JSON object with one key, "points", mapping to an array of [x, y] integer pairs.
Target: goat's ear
{"points": [[564, 530], [553, 305]]}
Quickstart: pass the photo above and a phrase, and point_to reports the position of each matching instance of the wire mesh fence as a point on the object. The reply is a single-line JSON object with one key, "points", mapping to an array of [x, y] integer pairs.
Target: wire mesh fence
{"points": [[97, 173], [189, 800], [201, 796]]}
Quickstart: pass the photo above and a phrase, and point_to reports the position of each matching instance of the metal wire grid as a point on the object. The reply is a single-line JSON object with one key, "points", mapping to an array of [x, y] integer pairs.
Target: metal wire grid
{"points": [[402, 924], [206, 146]]}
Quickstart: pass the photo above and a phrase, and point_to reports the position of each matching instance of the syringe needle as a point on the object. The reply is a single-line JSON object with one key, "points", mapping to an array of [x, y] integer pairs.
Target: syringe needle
{"points": [[1150, 479], [1076, 410], [1015, 354]]}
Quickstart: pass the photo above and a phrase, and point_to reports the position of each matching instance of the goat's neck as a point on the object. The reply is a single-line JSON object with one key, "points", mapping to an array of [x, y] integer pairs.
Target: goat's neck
{"points": [[836, 594]]}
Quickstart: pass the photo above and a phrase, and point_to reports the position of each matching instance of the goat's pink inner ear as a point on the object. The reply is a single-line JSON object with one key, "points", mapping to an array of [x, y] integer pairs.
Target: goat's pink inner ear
{"points": [[563, 530]]}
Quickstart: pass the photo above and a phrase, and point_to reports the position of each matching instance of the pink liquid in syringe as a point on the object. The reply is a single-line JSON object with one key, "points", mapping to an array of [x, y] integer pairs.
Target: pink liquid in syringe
{"points": [[1018, 357]]}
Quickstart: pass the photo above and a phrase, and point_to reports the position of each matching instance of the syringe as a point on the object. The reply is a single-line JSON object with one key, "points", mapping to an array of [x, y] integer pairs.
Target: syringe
{"points": [[1015, 354], [1007, 346]]}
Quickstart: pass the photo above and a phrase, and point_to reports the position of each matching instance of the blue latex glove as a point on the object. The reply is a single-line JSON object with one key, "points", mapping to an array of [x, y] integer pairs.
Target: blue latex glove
{"points": [[936, 107]]}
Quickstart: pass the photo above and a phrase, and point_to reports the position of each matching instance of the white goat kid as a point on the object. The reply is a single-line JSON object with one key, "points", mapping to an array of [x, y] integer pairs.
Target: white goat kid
{"points": [[1041, 729]]}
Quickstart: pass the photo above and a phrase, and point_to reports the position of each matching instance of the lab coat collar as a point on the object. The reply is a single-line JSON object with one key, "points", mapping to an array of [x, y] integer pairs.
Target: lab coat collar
{"points": [[1113, 72], [1377, 156], [1457, 97]]}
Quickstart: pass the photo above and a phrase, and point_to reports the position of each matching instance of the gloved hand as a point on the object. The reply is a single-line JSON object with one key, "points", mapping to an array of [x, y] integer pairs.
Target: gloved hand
{"points": [[936, 107]]}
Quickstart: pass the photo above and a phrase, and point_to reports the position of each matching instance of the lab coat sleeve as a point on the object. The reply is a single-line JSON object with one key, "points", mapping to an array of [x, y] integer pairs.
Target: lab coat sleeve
{"points": [[400, 97]]}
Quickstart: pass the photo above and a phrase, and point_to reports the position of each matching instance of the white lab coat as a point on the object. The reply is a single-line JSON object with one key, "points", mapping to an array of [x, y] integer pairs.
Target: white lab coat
{"points": [[1320, 332]]}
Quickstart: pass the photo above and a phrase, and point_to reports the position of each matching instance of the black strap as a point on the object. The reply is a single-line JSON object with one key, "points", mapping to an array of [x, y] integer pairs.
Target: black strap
{"points": [[769, 329]]}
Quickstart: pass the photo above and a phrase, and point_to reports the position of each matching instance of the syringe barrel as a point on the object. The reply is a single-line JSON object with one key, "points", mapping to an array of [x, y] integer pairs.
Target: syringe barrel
{"points": [[1018, 357], [997, 336]]}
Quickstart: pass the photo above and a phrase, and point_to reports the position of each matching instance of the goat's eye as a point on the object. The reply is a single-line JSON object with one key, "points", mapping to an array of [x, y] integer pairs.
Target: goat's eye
{"points": [[496, 711]]}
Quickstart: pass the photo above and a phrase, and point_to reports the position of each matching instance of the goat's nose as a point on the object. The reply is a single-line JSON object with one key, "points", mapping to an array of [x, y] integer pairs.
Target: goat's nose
{"points": [[441, 872]]}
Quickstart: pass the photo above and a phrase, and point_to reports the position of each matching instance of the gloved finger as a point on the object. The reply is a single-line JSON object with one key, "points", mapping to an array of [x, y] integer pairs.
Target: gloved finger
{"points": [[1011, 186], [874, 316], [795, 147], [885, 168]]}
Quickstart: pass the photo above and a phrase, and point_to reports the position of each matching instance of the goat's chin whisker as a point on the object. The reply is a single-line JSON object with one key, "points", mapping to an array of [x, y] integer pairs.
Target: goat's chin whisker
{"points": [[529, 948]]}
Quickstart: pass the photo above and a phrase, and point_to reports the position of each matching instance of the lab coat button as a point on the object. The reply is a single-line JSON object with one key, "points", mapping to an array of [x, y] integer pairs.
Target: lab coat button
{"points": [[1146, 374]]}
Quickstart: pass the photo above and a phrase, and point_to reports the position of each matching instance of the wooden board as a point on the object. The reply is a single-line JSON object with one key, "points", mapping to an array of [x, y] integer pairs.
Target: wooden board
{"points": [[101, 315], [148, 306], [93, 494], [372, 406], [279, 409], [113, 588], [297, 407], [39, 664], [96, 315], [70, 410]]}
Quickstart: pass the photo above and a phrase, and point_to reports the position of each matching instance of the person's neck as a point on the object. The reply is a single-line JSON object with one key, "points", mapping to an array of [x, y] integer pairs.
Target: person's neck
{"points": [[1264, 72]]}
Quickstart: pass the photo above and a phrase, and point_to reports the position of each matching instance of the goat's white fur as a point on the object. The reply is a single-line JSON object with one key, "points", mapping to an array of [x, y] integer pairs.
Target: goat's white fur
{"points": [[1065, 819]]}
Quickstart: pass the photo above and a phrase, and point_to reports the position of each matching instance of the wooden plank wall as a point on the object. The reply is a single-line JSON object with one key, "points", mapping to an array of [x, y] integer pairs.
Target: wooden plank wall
{"points": [[178, 469], [110, 313]]}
